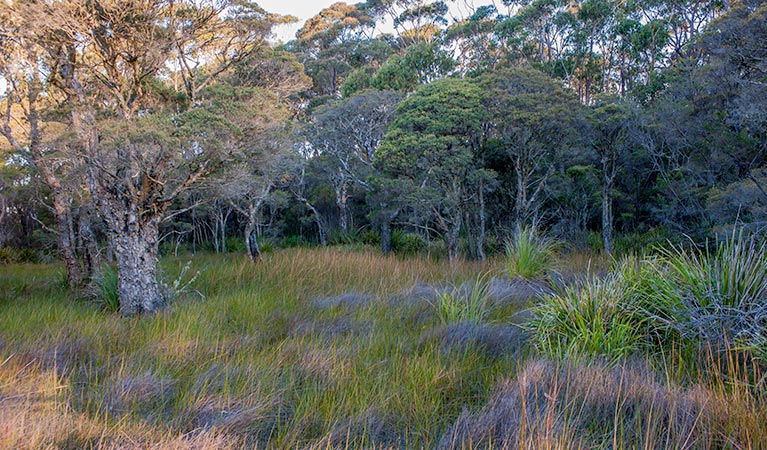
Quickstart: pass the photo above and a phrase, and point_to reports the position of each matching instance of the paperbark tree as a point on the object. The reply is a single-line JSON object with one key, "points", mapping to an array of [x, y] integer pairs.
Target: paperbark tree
{"points": [[133, 76]]}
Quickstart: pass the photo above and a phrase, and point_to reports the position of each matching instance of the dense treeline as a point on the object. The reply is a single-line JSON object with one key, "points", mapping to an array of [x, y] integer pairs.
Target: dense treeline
{"points": [[131, 126]]}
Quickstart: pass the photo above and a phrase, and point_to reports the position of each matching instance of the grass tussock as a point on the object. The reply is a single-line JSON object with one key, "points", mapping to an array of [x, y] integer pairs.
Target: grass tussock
{"points": [[694, 298], [599, 406], [529, 255]]}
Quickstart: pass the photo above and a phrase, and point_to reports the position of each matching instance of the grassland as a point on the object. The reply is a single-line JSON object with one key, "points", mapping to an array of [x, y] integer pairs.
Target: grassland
{"points": [[337, 349]]}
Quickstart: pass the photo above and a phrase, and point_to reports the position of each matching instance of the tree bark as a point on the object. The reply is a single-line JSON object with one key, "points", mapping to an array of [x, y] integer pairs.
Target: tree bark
{"points": [[67, 242], [386, 243], [452, 240], [341, 198], [136, 253], [251, 239], [88, 242]]}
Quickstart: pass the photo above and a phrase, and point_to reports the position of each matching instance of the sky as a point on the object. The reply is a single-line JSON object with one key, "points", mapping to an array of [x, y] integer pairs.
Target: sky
{"points": [[304, 9]]}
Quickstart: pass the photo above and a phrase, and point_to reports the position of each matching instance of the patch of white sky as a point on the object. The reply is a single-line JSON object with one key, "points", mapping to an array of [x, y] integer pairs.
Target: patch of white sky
{"points": [[304, 9]]}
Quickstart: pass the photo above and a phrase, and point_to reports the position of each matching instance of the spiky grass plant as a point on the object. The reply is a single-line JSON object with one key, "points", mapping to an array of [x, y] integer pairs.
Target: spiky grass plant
{"points": [[720, 291], [694, 298], [459, 304], [596, 317], [107, 284], [528, 254]]}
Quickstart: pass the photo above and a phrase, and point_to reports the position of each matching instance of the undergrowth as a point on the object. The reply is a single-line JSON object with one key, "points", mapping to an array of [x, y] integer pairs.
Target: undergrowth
{"points": [[323, 349]]}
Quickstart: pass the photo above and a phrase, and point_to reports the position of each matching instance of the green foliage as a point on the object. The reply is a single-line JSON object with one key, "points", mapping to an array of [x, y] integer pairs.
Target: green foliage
{"points": [[408, 243], [107, 283], [528, 254], [422, 63], [691, 298], [293, 241], [462, 304], [595, 318], [14, 255], [719, 294]]}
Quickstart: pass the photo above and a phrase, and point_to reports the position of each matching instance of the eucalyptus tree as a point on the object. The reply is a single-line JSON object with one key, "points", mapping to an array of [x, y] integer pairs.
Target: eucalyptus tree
{"points": [[413, 20], [615, 125], [349, 132], [328, 43]]}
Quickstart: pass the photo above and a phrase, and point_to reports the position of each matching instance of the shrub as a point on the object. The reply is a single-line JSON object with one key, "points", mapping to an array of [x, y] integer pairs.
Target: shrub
{"points": [[370, 237], [408, 243], [8, 255], [529, 255], [293, 242]]}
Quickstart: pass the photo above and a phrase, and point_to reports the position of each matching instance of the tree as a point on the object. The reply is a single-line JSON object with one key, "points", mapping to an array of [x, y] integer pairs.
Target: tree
{"points": [[349, 132], [37, 138], [614, 124], [138, 80], [537, 124], [429, 151], [708, 127]]}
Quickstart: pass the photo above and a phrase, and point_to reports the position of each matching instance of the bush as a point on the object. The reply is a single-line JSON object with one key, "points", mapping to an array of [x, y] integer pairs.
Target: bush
{"points": [[529, 255], [8, 255], [293, 242], [370, 237], [12, 255], [408, 243]]}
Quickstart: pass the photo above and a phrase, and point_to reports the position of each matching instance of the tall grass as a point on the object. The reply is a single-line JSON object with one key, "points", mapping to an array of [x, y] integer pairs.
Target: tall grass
{"points": [[699, 298], [267, 361], [597, 317], [464, 303], [528, 254], [259, 362]]}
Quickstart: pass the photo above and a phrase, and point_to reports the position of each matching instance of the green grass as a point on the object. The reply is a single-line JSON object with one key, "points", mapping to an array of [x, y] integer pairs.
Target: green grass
{"points": [[529, 255], [267, 359], [469, 303]]}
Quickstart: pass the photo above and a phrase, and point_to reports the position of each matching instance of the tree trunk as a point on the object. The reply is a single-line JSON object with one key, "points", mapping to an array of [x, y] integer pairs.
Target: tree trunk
{"points": [[386, 244], [607, 219], [251, 240], [88, 242], [136, 253], [341, 197], [67, 242], [68, 253], [482, 224], [452, 240]]}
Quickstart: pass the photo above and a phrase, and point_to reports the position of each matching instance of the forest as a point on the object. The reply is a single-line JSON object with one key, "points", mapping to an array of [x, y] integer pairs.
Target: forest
{"points": [[552, 191]]}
